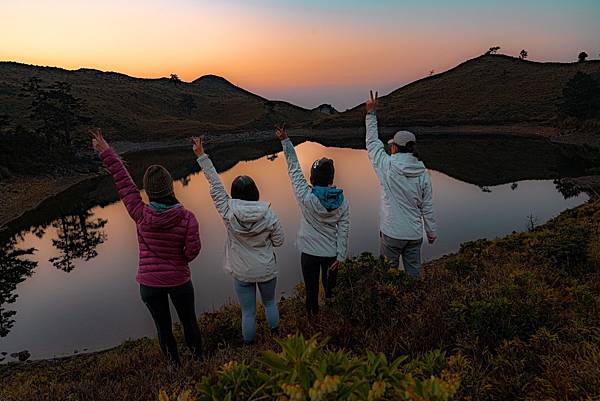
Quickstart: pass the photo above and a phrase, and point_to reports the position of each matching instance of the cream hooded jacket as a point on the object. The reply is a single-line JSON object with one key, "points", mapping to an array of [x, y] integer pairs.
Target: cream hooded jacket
{"points": [[253, 231], [406, 197], [322, 232]]}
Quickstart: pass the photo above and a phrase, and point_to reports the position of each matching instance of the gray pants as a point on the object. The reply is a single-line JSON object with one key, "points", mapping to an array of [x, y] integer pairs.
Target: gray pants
{"points": [[410, 251]]}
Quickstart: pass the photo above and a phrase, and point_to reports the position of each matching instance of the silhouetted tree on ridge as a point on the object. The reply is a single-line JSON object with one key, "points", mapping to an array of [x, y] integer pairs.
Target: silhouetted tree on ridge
{"points": [[582, 57], [523, 54], [493, 50]]}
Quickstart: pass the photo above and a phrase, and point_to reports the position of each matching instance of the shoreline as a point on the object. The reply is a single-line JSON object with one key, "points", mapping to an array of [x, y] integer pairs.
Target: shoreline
{"points": [[25, 194]]}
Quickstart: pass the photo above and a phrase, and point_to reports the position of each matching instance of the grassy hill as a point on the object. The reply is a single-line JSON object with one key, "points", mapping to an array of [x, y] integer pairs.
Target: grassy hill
{"points": [[490, 89], [137, 109]]}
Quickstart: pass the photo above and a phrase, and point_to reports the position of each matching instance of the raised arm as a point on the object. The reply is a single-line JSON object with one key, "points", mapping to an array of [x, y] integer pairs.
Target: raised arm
{"points": [[427, 210], [217, 190], [299, 184], [128, 191], [375, 148]]}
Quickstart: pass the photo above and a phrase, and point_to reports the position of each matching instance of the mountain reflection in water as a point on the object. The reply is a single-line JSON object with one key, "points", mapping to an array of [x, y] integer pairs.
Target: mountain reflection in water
{"points": [[82, 232]]}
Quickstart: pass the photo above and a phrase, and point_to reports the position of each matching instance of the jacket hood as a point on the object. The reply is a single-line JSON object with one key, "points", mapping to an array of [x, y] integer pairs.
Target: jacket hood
{"points": [[408, 165], [167, 219], [330, 197], [250, 216]]}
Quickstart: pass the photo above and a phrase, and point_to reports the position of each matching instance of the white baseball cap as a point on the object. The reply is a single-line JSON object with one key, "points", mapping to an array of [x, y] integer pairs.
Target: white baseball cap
{"points": [[401, 138]]}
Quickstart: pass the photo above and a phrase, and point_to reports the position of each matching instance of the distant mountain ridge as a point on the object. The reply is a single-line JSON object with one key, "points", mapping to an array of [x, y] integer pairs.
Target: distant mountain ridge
{"points": [[159, 108], [490, 89], [326, 109], [486, 90]]}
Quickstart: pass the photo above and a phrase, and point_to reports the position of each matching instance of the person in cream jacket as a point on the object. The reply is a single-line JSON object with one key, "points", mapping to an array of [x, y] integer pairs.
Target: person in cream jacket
{"points": [[406, 207], [253, 232]]}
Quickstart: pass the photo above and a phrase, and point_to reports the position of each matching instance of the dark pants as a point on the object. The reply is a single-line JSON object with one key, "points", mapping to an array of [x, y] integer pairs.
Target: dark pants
{"points": [[157, 301], [312, 267]]}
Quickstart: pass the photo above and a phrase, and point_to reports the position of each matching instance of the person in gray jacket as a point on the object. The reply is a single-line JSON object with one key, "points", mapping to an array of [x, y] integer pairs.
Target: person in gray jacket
{"points": [[324, 225], [253, 231], [406, 195]]}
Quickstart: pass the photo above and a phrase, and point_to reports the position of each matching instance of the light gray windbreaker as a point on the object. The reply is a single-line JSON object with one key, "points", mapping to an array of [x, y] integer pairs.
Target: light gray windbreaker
{"points": [[406, 195], [322, 232], [253, 230]]}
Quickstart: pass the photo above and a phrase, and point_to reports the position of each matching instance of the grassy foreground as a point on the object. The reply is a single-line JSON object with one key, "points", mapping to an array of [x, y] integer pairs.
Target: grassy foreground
{"points": [[514, 318]]}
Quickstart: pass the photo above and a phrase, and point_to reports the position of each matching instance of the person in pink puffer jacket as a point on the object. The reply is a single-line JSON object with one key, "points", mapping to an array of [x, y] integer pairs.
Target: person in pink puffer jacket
{"points": [[168, 237]]}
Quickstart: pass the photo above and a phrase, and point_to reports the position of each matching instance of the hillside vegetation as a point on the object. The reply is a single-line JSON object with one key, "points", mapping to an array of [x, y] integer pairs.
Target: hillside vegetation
{"points": [[516, 318], [491, 89], [136, 109]]}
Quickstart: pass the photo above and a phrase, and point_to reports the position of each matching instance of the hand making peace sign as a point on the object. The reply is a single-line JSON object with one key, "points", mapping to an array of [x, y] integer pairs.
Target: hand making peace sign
{"points": [[98, 141], [198, 145], [281, 132], [372, 102]]}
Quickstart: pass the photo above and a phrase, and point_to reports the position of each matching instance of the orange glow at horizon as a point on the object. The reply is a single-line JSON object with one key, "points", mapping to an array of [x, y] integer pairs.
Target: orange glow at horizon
{"points": [[249, 50], [270, 48]]}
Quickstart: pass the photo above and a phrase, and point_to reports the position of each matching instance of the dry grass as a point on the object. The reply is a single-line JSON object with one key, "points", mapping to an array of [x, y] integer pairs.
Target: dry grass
{"points": [[142, 109]]}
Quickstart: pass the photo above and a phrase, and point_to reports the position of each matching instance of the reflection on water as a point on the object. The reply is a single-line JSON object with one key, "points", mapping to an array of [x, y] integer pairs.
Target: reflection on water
{"points": [[76, 238], [97, 304], [14, 268]]}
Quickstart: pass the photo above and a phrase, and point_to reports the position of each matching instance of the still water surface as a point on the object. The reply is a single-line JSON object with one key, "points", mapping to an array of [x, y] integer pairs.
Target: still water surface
{"points": [[70, 303]]}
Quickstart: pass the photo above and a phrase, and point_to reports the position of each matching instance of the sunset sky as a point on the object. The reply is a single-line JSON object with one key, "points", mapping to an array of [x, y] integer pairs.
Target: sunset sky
{"points": [[307, 52]]}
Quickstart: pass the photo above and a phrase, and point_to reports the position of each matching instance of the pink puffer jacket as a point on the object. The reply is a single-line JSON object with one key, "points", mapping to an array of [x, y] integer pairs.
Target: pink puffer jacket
{"points": [[167, 241]]}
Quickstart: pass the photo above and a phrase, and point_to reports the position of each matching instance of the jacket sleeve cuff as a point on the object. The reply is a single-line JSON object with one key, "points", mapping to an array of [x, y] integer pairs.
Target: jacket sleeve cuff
{"points": [[204, 161], [371, 120], [288, 147], [431, 232], [110, 152]]}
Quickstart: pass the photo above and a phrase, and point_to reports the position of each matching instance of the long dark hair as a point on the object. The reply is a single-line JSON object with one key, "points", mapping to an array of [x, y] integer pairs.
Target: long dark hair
{"points": [[410, 147], [168, 200], [244, 188]]}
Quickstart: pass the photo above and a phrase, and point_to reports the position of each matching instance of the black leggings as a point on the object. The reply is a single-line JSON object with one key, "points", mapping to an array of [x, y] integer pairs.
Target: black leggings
{"points": [[157, 301], [312, 267]]}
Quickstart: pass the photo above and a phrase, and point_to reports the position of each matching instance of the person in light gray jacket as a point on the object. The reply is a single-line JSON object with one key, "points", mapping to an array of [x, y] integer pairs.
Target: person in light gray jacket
{"points": [[324, 225], [406, 195], [253, 231]]}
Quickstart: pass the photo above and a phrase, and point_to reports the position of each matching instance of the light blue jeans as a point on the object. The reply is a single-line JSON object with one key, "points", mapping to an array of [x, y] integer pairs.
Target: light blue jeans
{"points": [[246, 293]]}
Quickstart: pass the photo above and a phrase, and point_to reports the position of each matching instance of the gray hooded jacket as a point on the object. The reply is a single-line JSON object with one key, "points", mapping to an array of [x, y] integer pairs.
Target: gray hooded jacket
{"points": [[406, 194], [253, 231], [322, 232]]}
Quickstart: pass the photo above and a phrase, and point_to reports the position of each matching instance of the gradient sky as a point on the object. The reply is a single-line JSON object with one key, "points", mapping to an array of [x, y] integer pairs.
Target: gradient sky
{"points": [[307, 52]]}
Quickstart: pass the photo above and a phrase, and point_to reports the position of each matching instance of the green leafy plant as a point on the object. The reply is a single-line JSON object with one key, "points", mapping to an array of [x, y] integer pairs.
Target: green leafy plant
{"points": [[306, 370]]}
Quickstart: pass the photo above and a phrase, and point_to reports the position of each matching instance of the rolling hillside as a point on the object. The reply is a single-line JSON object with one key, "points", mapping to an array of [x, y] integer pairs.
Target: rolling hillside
{"points": [[491, 89], [136, 109]]}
